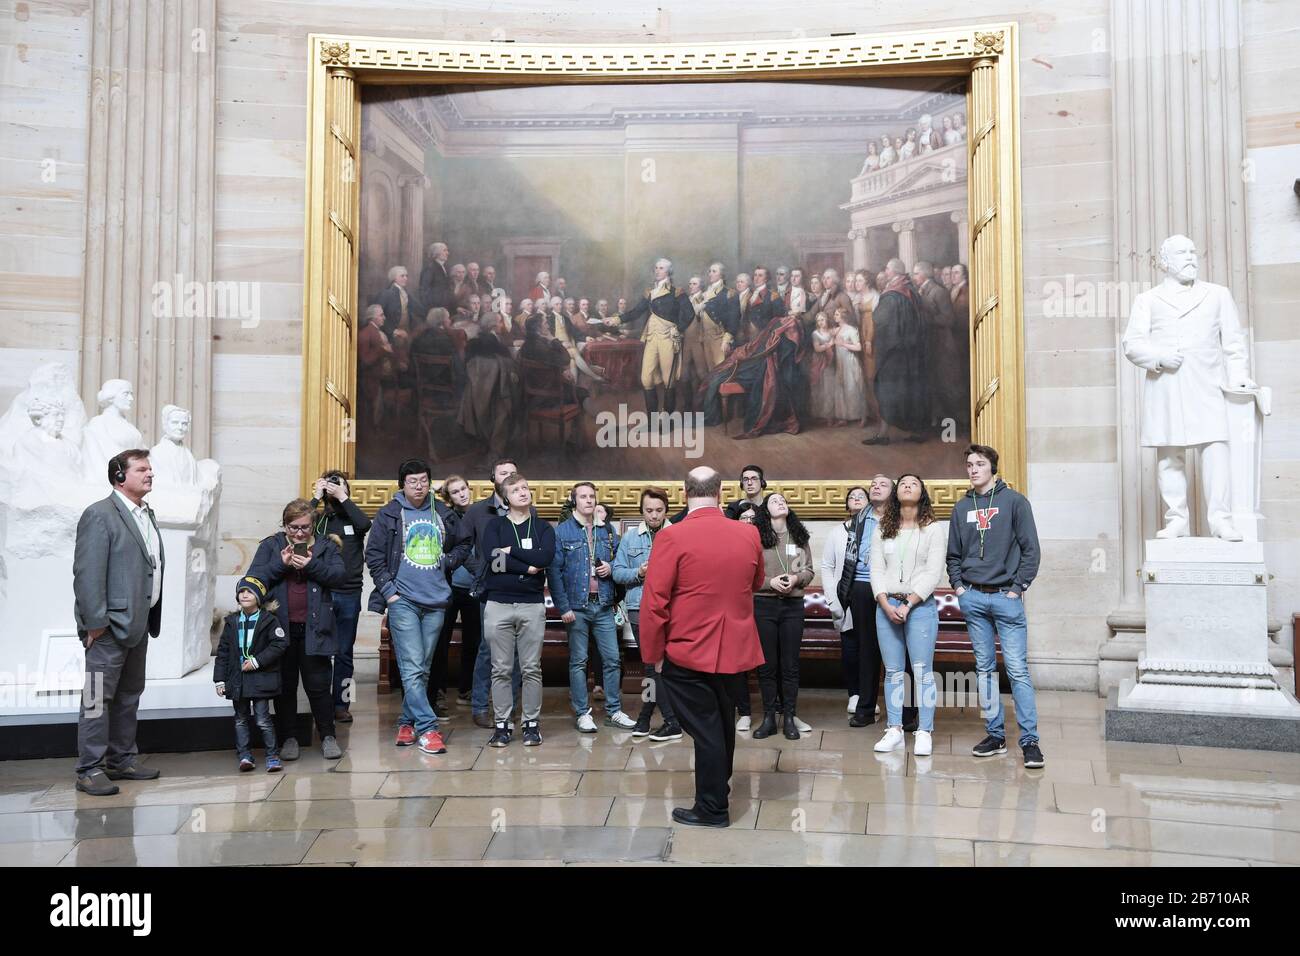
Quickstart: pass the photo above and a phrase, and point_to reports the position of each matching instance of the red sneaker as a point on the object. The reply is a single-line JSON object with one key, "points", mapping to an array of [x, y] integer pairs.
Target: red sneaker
{"points": [[431, 743], [405, 735]]}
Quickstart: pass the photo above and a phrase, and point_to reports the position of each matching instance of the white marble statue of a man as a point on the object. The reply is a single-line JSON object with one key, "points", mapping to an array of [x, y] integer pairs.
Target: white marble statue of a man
{"points": [[43, 452], [109, 433], [1187, 336], [172, 462]]}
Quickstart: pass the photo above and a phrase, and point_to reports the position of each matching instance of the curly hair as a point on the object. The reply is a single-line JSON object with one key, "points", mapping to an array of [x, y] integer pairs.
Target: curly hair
{"points": [[889, 521], [767, 534]]}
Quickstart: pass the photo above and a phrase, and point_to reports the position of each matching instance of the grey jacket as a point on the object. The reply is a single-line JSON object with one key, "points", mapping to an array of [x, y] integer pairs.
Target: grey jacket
{"points": [[111, 576]]}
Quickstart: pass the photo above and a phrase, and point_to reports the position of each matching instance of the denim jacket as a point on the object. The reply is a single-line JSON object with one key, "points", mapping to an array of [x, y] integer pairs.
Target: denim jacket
{"points": [[633, 551], [568, 574]]}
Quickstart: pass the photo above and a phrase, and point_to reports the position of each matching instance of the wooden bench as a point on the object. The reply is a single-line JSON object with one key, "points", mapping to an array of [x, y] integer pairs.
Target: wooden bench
{"points": [[820, 639]]}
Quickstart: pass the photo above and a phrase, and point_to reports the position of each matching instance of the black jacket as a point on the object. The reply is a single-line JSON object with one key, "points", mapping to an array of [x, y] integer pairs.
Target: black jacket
{"points": [[270, 641], [325, 572], [475, 520], [349, 524], [384, 549]]}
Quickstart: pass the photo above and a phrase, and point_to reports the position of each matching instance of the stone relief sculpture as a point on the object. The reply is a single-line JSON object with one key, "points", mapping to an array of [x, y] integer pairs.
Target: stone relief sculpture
{"points": [[51, 382], [44, 449], [1187, 336]]}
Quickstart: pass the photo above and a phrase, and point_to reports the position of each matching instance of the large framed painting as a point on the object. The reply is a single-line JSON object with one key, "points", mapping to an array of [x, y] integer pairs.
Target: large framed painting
{"points": [[615, 263]]}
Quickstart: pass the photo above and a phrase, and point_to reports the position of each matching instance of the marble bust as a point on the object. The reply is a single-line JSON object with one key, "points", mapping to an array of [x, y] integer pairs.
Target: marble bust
{"points": [[109, 433], [172, 462], [1186, 334]]}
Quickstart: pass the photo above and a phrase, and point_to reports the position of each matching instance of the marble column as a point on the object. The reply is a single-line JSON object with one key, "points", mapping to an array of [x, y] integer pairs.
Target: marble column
{"points": [[859, 237], [1176, 66], [962, 218], [411, 240], [906, 230], [148, 297]]}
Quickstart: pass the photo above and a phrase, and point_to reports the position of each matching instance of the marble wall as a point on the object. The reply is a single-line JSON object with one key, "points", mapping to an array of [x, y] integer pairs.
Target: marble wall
{"points": [[1069, 197]]}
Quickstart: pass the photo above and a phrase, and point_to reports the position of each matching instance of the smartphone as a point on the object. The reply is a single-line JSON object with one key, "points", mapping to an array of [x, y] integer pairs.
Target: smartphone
{"points": [[300, 547]]}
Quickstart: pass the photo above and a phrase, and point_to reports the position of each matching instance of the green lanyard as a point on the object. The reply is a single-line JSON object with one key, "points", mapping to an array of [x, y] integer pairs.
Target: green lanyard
{"points": [[780, 551], [515, 528], [246, 635]]}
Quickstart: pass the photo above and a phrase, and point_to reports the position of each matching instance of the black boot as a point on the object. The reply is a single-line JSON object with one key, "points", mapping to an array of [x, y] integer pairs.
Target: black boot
{"points": [[768, 727], [651, 403], [670, 398], [790, 730]]}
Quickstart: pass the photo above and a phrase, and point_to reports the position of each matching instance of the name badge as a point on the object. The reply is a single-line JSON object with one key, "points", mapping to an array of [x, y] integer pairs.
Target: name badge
{"points": [[970, 517], [347, 529], [791, 550], [526, 544]]}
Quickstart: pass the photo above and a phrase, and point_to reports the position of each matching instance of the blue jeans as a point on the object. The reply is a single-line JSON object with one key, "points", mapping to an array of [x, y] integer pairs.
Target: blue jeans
{"points": [[986, 615], [598, 622], [478, 698], [347, 610], [258, 709], [415, 631], [913, 638]]}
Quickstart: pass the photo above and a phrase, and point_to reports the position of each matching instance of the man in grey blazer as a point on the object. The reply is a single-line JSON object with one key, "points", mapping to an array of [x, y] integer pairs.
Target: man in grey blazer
{"points": [[117, 574]]}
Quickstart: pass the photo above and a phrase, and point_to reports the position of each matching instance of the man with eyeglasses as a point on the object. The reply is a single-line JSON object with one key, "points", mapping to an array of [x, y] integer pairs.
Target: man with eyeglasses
{"points": [[414, 540], [752, 485]]}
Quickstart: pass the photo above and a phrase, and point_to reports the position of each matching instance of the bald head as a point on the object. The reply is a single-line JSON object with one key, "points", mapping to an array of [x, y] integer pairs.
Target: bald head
{"points": [[703, 487]]}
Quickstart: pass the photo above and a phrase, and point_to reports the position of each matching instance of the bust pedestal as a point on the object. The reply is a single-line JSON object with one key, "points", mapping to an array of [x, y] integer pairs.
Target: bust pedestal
{"points": [[1205, 678]]}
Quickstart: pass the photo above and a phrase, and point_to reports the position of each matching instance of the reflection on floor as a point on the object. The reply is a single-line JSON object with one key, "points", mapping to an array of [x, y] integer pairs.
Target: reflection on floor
{"points": [[824, 799]]}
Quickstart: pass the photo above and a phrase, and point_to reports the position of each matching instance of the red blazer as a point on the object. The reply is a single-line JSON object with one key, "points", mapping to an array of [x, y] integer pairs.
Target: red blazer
{"points": [[697, 605]]}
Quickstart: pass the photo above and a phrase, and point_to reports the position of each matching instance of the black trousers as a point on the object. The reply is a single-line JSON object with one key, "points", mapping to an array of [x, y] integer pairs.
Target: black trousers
{"points": [[658, 691], [471, 632], [870, 665], [740, 694], [704, 708], [317, 673], [780, 631]]}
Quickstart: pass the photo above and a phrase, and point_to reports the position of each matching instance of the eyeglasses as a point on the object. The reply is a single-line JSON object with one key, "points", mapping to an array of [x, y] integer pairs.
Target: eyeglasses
{"points": [[297, 529], [416, 482]]}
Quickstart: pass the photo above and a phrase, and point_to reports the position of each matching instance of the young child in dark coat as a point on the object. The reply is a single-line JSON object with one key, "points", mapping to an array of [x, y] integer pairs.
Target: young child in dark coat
{"points": [[247, 670]]}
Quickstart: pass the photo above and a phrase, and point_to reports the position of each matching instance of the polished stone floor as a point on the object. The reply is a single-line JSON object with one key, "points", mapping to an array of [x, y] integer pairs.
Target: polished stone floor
{"points": [[824, 799]]}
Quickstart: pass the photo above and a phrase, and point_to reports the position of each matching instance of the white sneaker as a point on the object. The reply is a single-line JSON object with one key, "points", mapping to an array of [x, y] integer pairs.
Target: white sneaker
{"points": [[893, 740], [620, 721], [801, 726], [853, 703], [923, 745], [742, 725], [586, 725]]}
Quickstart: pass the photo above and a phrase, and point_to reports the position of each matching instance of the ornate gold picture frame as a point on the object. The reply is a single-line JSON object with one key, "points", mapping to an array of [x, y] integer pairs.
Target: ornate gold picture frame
{"points": [[339, 65]]}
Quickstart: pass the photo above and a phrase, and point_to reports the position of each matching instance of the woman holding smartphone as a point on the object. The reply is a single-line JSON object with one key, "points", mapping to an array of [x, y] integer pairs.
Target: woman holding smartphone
{"points": [[300, 570], [778, 610]]}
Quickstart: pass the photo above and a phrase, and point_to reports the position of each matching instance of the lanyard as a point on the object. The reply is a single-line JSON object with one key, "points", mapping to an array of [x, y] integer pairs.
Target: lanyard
{"points": [[780, 551], [247, 625], [981, 525], [901, 546], [515, 528]]}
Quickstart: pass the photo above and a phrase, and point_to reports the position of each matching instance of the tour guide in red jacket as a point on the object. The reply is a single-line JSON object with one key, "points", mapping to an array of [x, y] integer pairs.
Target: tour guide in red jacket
{"points": [[697, 624]]}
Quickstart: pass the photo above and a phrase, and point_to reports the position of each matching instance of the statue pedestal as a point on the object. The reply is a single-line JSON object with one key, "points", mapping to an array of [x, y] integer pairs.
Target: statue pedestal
{"points": [[1205, 678]]}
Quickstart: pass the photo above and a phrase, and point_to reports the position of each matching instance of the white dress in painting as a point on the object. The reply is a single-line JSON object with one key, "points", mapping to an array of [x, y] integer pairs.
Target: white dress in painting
{"points": [[849, 396], [824, 390]]}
